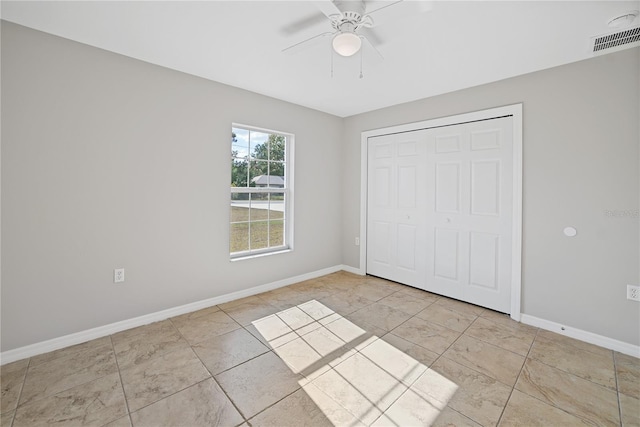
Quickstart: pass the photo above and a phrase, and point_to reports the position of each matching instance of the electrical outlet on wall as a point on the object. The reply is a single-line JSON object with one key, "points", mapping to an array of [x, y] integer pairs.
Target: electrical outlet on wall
{"points": [[633, 292], [118, 275]]}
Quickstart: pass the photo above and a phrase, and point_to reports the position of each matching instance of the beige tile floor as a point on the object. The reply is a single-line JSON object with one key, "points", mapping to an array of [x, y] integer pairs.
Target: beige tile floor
{"points": [[338, 350]]}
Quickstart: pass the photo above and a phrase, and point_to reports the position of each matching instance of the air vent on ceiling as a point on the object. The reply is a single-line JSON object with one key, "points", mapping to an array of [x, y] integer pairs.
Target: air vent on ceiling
{"points": [[618, 40]]}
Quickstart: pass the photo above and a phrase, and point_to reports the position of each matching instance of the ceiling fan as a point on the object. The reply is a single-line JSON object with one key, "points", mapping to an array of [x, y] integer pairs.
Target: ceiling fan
{"points": [[351, 24]]}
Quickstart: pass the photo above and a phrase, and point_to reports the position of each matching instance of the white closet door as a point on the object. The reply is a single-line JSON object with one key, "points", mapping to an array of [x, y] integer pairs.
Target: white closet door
{"points": [[469, 215], [396, 245], [440, 210]]}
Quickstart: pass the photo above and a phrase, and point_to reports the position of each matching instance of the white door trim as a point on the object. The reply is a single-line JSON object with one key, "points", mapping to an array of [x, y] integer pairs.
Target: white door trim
{"points": [[514, 110]]}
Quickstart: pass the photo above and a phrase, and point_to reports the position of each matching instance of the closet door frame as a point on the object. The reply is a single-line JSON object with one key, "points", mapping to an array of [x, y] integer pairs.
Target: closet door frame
{"points": [[514, 111]]}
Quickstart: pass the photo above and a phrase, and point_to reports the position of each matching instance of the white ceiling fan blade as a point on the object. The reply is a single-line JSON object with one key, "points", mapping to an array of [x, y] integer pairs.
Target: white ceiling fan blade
{"points": [[304, 43], [368, 43], [303, 24], [327, 7], [400, 10], [369, 12], [372, 36]]}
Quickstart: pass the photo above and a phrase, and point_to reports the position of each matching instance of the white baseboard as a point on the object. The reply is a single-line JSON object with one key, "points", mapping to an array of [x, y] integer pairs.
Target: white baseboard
{"points": [[353, 270], [103, 331], [579, 334]]}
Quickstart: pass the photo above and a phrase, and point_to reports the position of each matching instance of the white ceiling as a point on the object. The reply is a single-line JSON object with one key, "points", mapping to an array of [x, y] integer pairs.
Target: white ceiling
{"points": [[450, 46]]}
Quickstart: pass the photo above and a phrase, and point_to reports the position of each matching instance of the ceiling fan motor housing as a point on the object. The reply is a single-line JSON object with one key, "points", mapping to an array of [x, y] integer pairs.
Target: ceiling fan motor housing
{"points": [[352, 16], [349, 21]]}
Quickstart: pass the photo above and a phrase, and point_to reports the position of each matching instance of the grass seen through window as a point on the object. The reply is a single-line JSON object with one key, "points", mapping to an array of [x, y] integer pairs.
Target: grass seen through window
{"points": [[266, 229]]}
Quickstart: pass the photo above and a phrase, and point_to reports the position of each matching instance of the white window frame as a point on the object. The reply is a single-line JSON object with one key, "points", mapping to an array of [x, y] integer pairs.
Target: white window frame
{"points": [[288, 197]]}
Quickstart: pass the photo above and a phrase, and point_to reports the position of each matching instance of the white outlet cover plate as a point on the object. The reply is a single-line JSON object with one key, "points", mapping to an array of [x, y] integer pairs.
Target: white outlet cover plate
{"points": [[118, 275]]}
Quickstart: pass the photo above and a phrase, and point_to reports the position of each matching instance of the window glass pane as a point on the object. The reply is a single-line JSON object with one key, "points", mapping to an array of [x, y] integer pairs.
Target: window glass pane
{"points": [[259, 145], [259, 207], [276, 233], [276, 206], [259, 234], [276, 175], [239, 170], [239, 207], [259, 173], [277, 144], [239, 237], [239, 196], [239, 143]]}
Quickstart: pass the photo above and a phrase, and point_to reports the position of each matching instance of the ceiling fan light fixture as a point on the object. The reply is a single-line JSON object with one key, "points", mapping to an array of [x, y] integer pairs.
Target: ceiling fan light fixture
{"points": [[346, 43]]}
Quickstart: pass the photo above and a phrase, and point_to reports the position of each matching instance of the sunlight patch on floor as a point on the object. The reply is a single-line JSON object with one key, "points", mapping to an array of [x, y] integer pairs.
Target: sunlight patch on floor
{"points": [[344, 365]]}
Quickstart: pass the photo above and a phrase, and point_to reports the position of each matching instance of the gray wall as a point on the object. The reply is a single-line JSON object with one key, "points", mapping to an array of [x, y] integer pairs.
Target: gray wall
{"points": [[581, 158], [111, 162]]}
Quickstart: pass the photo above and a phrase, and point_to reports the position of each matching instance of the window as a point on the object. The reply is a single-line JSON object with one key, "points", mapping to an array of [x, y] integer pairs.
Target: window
{"points": [[261, 191]]}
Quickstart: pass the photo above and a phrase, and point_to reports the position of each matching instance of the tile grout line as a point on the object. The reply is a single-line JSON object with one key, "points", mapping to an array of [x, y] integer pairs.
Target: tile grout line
{"points": [[615, 375], [570, 340], [329, 397], [244, 418], [167, 396], [528, 357], [488, 344], [524, 362], [411, 317], [272, 350], [373, 404], [441, 356], [247, 420], [24, 381], [568, 373], [241, 363], [124, 394], [62, 357], [576, 375], [196, 383], [408, 388], [207, 369], [491, 344]]}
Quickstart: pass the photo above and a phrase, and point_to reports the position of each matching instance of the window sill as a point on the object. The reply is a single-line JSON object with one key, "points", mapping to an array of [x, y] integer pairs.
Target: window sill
{"points": [[260, 255]]}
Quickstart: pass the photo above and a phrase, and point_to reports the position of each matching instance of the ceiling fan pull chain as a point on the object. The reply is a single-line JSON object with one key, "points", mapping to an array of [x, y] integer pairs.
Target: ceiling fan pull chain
{"points": [[361, 63], [331, 52]]}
